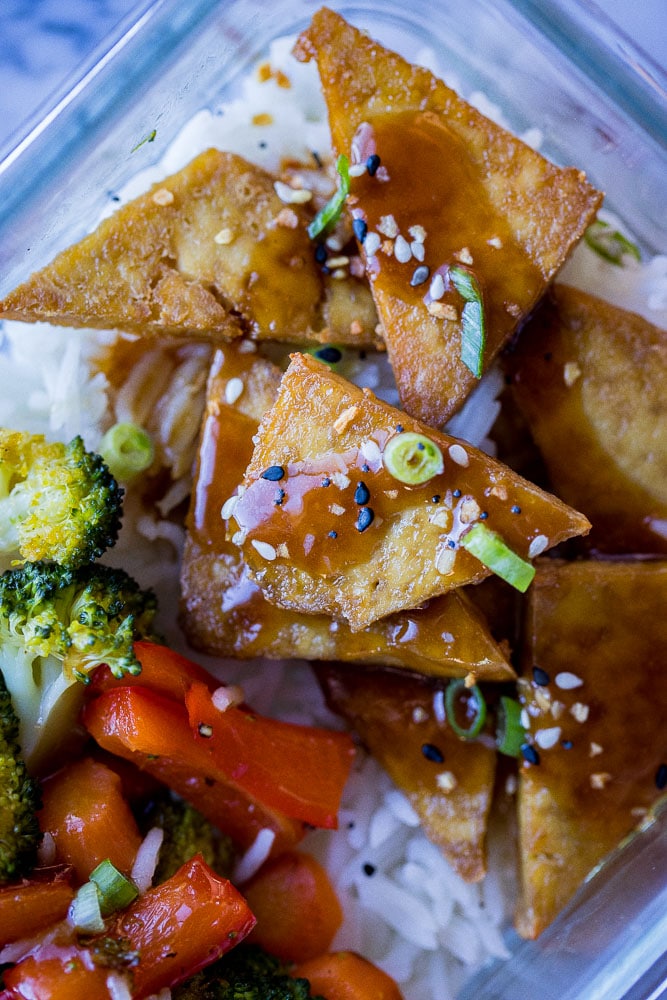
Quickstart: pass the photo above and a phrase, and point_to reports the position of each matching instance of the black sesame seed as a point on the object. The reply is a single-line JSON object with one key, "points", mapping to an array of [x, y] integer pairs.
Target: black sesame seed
{"points": [[399, 428], [326, 481], [369, 869], [661, 777], [372, 164], [456, 493], [279, 497], [529, 753], [360, 229], [436, 498], [320, 253], [432, 752], [365, 467], [540, 676], [365, 518], [451, 544], [262, 144], [515, 509], [362, 494], [274, 473], [330, 355], [316, 156], [115, 197], [419, 275], [566, 744], [333, 534], [483, 516]]}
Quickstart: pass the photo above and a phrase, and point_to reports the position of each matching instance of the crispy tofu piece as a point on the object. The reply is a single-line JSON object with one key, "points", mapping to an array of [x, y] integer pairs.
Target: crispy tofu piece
{"points": [[224, 612], [349, 540], [448, 781], [209, 252], [595, 690], [590, 380], [467, 190]]}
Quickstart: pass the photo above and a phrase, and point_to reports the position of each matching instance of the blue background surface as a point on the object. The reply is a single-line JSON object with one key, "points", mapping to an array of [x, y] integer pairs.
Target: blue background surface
{"points": [[42, 42]]}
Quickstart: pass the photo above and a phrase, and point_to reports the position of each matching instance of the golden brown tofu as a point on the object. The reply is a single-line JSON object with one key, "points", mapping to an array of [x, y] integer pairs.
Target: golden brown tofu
{"points": [[347, 538], [448, 781], [466, 191], [210, 252], [590, 380], [595, 690], [223, 610]]}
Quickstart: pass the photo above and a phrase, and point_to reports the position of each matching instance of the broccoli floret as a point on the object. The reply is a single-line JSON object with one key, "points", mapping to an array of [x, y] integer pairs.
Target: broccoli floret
{"points": [[20, 799], [245, 973], [56, 625], [186, 833], [58, 502]]}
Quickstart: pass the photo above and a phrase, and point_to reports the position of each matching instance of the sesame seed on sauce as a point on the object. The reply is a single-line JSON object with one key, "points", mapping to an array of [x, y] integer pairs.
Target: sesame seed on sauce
{"points": [[372, 164], [365, 467], [436, 498], [515, 509], [332, 534], [540, 676], [483, 516], [360, 229], [364, 519], [566, 744], [451, 543], [320, 253], [530, 754], [399, 428], [326, 481], [433, 753], [661, 777], [419, 275], [274, 473], [279, 497], [456, 493], [362, 494]]}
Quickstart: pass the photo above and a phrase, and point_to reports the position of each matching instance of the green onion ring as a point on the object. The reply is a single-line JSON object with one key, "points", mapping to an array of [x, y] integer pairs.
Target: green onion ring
{"points": [[475, 700]]}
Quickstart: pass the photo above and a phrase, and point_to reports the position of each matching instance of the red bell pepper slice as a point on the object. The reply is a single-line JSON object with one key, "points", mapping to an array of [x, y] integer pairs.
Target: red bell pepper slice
{"points": [[300, 770], [162, 670], [176, 929], [154, 732], [29, 906]]}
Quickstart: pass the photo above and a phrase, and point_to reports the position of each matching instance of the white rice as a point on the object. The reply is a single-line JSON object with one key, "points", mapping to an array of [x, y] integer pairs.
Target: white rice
{"points": [[404, 906]]}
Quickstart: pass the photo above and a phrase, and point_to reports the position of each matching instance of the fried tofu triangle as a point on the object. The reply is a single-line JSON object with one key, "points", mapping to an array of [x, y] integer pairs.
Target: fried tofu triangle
{"points": [[445, 188], [326, 528], [565, 379], [209, 252], [448, 781], [595, 689], [223, 611]]}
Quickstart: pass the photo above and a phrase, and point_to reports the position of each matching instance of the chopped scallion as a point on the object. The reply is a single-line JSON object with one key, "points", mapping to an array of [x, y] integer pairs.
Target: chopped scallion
{"points": [[465, 708], [412, 458], [510, 734], [85, 913], [473, 325], [609, 243], [331, 212], [128, 450], [487, 546], [115, 890]]}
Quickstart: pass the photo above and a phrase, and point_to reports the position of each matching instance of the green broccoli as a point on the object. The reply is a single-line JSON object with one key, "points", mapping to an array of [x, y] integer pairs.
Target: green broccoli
{"points": [[58, 502], [186, 833], [245, 973], [56, 625], [20, 799]]}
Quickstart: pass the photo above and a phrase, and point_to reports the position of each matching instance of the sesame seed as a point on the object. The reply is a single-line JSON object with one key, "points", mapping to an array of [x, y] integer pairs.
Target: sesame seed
{"points": [[495, 242], [456, 493], [274, 473], [290, 195], [566, 680], [326, 481], [371, 450], [437, 287], [336, 509], [571, 372], [419, 276], [233, 390], [287, 218], [464, 256], [418, 233], [226, 696], [530, 754], [402, 251], [332, 534], [524, 718], [515, 509], [417, 250], [419, 714], [399, 428], [357, 169], [228, 507], [279, 497], [600, 780], [537, 546], [579, 711], [263, 549], [511, 784], [433, 753], [459, 455], [205, 730], [364, 518], [372, 164], [547, 738], [444, 561], [163, 197], [595, 750], [368, 869], [388, 226], [661, 777], [320, 253], [334, 242], [360, 229], [446, 781], [341, 261], [372, 244], [224, 237], [362, 494], [540, 676]]}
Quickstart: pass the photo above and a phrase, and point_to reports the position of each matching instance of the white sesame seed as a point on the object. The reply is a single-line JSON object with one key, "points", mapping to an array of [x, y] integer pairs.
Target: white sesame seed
{"points": [[263, 549], [524, 718], [233, 390], [339, 274], [226, 696], [382, 174], [388, 226], [566, 680], [371, 450], [547, 738], [290, 195], [204, 729], [446, 781], [571, 372], [336, 509], [579, 711], [246, 346], [418, 233], [341, 261], [495, 242], [372, 244], [464, 255], [163, 197], [511, 784], [437, 287], [224, 237], [459, 455], [228, 507], [419, 714], [334, 242], [357, 169], [595, 750], [238, 538], [537, 546], [418, 250], [402, 251], [600, 780]]}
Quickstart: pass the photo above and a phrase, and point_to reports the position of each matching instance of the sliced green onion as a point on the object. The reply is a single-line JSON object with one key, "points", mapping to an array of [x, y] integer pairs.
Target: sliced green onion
{"points": [[115, 890], [473, 332], [85, 913], [487, 546], [510, 734], [412, 458], [331, 212], [465, 703], [609, 244], [128, 450]]}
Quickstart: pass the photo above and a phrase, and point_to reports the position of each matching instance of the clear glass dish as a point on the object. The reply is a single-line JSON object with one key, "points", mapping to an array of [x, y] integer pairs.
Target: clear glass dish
{"points": [[600, 105]]}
